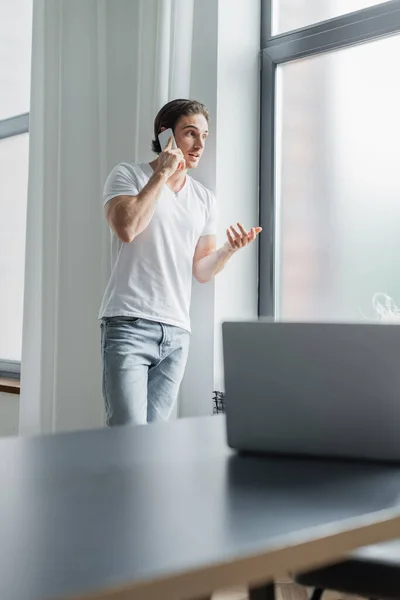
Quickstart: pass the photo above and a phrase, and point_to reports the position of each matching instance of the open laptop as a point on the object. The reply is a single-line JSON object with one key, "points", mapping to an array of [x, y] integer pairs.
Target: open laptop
{"points": [[319, 389]]}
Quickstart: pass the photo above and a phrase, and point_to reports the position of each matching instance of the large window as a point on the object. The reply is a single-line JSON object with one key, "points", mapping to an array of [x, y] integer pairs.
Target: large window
{"points": [[330, 182], [295, 14], [15, 68]]}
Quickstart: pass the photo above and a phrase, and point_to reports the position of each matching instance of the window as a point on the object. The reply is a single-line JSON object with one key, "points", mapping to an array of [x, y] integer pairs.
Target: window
{"points": [[15, 67], [294, 14], [330, 189], [15, 57]]}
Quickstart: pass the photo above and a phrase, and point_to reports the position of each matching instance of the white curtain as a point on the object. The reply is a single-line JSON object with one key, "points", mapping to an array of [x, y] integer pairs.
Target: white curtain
{"points": [[100, 71]]}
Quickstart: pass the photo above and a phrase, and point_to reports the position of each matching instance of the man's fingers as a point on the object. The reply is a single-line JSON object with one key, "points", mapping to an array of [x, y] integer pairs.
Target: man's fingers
{"points": [[245, 234], [169, 144], [251, 236], [254, 231], [182, 165], [241, 241], [230, 238], [242, 229], [235, 233], [177, 151]]}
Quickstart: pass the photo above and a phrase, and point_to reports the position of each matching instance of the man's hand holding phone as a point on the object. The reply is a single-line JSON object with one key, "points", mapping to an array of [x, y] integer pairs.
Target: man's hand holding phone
{"points": [[171, 159]]}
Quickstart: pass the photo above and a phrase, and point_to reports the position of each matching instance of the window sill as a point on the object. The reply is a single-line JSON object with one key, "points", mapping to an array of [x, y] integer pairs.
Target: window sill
{"points": [[10, 386]]}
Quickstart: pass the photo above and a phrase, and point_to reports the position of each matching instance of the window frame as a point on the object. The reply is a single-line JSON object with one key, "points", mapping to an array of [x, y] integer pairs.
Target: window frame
{"points": [[9, 127], [340, 32]]}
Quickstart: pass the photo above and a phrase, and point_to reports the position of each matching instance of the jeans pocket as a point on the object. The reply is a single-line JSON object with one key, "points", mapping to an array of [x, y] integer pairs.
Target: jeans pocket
{"points": [[120, 320], [118, 330]]}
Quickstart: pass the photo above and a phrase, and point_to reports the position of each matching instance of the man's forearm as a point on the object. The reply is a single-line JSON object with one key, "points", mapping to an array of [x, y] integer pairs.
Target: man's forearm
{"points": [[147, 199], [136, 212], [207, 267]]}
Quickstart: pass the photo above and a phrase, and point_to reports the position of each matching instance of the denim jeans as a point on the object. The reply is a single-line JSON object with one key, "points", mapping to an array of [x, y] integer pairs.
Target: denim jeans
{"points": [[143, 366]]}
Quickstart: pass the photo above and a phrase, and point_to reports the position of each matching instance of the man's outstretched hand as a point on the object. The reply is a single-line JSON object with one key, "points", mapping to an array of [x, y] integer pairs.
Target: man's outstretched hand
{"points": [[208, 262], [240, 237]]}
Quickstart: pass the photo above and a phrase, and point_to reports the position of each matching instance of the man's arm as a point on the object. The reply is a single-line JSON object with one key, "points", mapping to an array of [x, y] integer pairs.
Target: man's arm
{"points": [[130, 215], [208, 261]]}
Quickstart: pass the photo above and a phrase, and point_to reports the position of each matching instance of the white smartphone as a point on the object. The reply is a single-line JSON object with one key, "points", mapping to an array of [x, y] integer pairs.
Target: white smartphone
{"points": [[164, 136]]}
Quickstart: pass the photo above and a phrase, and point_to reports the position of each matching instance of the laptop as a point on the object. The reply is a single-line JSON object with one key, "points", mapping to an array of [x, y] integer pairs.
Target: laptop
{"points": [[313, 389]]}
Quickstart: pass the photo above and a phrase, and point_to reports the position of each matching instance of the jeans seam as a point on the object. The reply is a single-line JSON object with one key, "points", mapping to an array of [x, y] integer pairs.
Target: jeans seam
{"points": [[107, 402], [160, 348]]}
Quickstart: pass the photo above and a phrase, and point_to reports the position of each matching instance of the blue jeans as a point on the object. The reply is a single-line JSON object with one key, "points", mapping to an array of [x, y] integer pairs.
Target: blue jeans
{"points": [[143, 366]]}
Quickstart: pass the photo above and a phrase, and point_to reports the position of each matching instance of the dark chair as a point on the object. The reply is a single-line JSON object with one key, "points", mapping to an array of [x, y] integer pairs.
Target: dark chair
{"points": [[371, 572], [265, 592]]}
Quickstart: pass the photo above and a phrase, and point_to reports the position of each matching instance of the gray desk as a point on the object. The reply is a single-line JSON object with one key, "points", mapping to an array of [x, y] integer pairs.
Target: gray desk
{"points": [[168, 512]]}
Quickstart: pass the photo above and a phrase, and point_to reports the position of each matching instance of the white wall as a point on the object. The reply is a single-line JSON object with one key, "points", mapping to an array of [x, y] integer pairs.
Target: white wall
{"points": [[9, 413], [225, 76], [238, 93]]}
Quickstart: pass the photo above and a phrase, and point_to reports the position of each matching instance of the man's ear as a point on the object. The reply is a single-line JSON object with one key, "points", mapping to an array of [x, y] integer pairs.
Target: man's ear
{"points": [[163, 129]]}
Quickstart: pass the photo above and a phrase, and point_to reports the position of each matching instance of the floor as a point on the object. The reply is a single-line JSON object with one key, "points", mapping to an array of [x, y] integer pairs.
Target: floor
{"points": [[285, 591]]}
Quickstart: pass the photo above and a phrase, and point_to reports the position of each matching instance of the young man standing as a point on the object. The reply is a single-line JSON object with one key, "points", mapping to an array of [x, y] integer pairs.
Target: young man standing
{"points": [[163, 226]]}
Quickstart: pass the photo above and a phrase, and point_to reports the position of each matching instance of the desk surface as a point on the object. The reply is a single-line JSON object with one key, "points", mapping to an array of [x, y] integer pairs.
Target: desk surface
{"points": [[150, 511]]}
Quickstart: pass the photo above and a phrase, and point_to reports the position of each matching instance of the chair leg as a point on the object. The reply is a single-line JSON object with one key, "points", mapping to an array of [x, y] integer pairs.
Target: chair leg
{"points": [[265, 592], [317, 594]]}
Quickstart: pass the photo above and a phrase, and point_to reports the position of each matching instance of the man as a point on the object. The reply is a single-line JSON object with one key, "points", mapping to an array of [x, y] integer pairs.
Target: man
{"points": [[163, 226]]}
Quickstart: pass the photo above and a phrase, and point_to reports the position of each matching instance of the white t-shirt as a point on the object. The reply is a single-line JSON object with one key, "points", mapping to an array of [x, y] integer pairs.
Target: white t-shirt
{"points": [[151, 277]]}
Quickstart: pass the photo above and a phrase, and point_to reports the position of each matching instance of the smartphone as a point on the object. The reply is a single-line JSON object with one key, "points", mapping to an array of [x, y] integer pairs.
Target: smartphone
{"points": [[164, 136]]}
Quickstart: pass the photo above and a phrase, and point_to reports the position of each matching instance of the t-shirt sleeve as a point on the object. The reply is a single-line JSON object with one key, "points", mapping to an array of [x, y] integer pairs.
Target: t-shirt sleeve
{"points": [[122, 181], [210, 228]]}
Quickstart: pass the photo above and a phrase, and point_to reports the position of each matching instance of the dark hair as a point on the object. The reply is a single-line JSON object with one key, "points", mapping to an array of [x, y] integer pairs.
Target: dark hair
{"points": [[170, 113]]}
